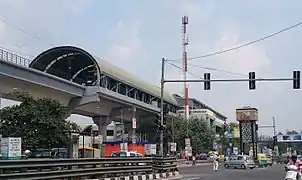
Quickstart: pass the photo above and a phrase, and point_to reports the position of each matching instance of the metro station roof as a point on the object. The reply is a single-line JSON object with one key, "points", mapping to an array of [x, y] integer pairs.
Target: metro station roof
{"points": [[127, 77], [82, 58]]}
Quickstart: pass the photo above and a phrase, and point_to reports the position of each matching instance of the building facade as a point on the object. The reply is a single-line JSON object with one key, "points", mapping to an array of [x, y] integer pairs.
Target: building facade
{"points": [[200, 110]]}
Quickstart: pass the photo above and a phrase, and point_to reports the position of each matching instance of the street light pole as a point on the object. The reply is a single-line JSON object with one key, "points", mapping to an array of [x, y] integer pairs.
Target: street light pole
{"points": [[274, 126], [162, 83]]}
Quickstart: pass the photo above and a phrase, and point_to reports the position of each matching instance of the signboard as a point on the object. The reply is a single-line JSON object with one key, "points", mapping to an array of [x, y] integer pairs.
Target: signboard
{"points": [[188, 151], [134, 123], [248, 114], [11, 148], [133, 139], [99, 139], [173, 147], [150, 149], [236, 132], [276, 150], [235, 150], [187, 142], [124, 146], [215, 145], [289, 138]]}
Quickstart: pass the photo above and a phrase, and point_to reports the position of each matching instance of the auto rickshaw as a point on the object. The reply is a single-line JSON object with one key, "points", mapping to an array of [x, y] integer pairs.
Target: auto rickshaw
{"points": [[262, 160], [88, 152]]}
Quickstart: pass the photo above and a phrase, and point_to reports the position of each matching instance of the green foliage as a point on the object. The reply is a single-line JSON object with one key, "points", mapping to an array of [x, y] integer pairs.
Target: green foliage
{"points": [[41, 123], [199, 132]]}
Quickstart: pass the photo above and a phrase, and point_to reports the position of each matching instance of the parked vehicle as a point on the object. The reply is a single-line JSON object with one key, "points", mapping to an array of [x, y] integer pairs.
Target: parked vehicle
{"points": [[126, 154], [240, 161]]}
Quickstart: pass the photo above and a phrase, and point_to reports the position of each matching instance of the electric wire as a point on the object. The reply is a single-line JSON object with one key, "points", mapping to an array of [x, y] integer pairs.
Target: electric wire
{"points": [[242, 45]]}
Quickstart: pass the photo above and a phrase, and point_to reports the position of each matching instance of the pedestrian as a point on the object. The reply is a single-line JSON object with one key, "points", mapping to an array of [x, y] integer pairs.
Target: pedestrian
{"points": [[215, 161], [194, 160]]}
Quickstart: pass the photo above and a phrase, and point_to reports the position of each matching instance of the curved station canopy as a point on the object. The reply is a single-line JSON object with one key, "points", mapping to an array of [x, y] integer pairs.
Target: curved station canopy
{"points": [[77, 65]]}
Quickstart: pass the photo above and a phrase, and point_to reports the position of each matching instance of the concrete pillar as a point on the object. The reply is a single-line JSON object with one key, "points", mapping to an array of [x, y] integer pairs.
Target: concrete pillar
{"points": [[102, 122]]}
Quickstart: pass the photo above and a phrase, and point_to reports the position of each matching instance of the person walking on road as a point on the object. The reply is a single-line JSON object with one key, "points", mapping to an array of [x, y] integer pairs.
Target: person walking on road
{"points": [[215, 161], [193, 160]]}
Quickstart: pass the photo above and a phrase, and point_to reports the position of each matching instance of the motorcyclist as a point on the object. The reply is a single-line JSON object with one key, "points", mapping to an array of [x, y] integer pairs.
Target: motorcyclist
{"points": [[287, 160], [296, 162]]}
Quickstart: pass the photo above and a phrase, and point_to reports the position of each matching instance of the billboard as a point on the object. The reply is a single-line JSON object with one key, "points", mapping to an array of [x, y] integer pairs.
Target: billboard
{"points": [[289, 138], [236, 132], [247, 114]]}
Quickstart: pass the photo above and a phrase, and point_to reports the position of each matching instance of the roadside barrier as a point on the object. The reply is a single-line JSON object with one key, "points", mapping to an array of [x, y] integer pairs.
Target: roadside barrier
{"points": [[39, 169]]}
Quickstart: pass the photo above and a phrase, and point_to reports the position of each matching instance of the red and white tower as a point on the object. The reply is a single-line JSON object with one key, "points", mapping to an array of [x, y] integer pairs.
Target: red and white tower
{"points": [[185, 43]]}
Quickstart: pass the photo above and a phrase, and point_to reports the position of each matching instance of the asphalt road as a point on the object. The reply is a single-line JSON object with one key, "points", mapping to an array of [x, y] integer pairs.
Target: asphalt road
{"points": [[205, 172]]}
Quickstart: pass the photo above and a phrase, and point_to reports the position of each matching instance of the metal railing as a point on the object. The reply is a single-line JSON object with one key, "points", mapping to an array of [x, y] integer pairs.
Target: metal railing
{"points": [[22, 61], [14, 58], [164, 164], [38, 169]]}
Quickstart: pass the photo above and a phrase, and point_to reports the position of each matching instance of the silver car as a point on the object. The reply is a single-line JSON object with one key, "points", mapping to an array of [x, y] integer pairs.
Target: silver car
{"points": [[240, 161]]}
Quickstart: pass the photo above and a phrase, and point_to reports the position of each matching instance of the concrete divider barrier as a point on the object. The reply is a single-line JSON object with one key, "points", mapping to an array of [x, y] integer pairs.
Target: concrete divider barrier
{"points": [[144, 177]]}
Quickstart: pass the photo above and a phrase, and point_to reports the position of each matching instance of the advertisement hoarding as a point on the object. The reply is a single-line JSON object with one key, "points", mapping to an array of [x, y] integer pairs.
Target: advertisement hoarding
{"points": [[247, 114], [289, 138], [11, 148]]}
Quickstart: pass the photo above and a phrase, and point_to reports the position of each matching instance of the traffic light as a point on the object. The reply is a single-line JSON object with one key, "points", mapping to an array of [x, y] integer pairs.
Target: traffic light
{"points": [[158, 122], [296, 77], [252, 81], [275, 142], [207, 82]]}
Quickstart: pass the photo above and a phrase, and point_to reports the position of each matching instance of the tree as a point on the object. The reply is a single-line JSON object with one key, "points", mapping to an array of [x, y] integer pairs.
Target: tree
{"points": [[41, 123], [291, 132], [196, 129]]}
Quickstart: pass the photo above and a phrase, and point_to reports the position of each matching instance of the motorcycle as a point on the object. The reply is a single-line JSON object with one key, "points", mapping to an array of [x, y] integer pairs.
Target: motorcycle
{"points": [[291, 172]]}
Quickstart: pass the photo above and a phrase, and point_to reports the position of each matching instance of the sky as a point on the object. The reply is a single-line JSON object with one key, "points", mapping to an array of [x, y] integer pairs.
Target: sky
{"points": [[136, 34]]}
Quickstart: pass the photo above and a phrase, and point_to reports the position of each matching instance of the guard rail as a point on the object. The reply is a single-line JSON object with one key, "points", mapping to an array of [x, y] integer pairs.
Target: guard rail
{"points": [[39, 169], [164, 164]]}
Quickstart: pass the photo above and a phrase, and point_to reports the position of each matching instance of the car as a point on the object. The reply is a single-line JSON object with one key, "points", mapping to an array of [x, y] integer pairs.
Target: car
{"points": [[240, 161], [126, 154]]}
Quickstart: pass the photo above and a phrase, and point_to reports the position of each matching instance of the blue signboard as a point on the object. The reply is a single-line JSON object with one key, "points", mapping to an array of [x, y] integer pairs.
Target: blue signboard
{"points": [[289, 138]]}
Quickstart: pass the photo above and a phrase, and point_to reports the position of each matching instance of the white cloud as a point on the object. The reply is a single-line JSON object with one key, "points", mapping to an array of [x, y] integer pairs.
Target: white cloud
{"points": [[126, 48], [2, 31], [126, 43], [246, 59]]}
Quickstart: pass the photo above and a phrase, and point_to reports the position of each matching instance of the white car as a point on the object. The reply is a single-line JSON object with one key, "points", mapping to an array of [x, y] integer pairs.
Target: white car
{"points": [[240, 161], [126, 154]]}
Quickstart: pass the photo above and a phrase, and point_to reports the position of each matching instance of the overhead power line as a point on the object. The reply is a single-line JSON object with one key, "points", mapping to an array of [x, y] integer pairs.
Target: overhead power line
{"points": [[215, 69], [23, 30], [174, 65], [206, 68], [243, 45]]}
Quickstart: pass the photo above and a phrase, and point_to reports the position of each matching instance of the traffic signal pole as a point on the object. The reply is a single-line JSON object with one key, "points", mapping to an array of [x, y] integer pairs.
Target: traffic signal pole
{"points": [[251, 79], [228, 80]]}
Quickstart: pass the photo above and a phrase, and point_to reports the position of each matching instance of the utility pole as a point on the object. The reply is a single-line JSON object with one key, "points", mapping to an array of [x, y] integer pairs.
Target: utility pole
{"points": [[270, 126], [162, 85], [274, 126], [0, 99], [123, 129]]}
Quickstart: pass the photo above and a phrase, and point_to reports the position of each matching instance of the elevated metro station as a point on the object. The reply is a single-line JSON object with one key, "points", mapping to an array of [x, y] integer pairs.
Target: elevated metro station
{"points": [[107, 89]]}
